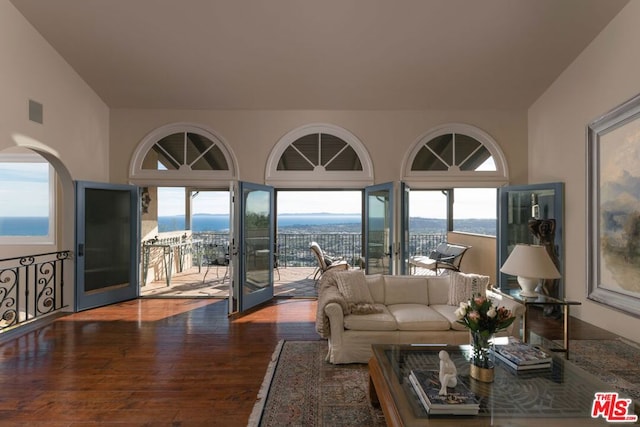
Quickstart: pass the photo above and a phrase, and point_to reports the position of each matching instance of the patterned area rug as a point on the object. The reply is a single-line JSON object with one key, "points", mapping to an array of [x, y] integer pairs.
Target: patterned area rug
{"points": [[615, 362], [301, 389], [307, 391]]}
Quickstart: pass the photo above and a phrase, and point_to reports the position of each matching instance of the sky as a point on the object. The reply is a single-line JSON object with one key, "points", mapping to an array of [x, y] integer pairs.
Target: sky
{"points": [[19, 179], [469, 203]]}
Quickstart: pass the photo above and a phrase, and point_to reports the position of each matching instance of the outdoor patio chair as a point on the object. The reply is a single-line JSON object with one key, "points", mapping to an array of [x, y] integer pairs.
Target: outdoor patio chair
{"points": [[444, 258], [326, 262], [216, 255]]}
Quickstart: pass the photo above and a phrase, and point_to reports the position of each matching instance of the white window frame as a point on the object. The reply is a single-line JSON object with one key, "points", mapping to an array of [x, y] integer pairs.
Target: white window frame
{"points": [[181, 177], [319, 177], [48, 239], [456, 178]]}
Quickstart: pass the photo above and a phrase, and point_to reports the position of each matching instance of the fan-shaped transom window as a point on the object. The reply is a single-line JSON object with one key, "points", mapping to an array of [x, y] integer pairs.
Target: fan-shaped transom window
{"points": [[187, 151], [319, 155], [456, 153], [453, 151], [182, 152], [319, 151]]}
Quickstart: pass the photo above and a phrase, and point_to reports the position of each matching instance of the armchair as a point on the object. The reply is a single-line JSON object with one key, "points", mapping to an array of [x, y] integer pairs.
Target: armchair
{"points": [[326, 262]]}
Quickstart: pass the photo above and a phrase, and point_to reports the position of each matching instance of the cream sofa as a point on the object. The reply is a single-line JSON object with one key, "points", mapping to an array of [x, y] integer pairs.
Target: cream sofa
{"points": [[356, 310]]}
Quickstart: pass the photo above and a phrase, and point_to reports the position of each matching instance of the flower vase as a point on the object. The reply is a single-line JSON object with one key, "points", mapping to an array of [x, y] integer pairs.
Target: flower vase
{"points": [[482, 362]]}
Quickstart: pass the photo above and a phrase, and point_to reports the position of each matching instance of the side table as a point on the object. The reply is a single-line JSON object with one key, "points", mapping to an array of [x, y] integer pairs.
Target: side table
{"points": [[540, 299]]}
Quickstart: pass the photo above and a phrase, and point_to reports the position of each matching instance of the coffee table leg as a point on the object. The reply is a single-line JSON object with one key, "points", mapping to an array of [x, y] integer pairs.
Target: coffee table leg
{"points": [[373, 396]]}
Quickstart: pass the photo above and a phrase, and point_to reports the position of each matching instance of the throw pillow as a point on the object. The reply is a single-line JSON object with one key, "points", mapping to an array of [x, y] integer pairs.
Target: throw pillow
{"points": [[464, 285], [353, 287]]}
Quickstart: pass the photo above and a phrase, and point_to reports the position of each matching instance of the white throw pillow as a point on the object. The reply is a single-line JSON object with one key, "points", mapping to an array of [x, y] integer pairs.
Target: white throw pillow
{"points": [[353, 287], [465, 285]]}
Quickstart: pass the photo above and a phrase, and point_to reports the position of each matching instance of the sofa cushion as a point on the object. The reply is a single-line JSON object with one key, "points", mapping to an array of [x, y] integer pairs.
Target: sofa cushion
{"points": [[439, 289], [448, 312], [418, 317], [353, 286], [464, 285], [381, 321], [376, 287], [405, 290]]}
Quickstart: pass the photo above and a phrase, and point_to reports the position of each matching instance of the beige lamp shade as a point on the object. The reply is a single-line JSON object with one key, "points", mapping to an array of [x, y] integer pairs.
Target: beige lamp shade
{"points": [[530, 263]]}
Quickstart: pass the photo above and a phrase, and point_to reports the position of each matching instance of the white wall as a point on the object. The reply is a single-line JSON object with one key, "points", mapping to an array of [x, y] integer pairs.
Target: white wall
{"points": [[251, 135], [602, 77], [75, 133]]}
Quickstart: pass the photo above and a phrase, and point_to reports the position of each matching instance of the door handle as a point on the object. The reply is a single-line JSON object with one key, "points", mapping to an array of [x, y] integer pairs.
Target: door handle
{"points": [[81, 249]]}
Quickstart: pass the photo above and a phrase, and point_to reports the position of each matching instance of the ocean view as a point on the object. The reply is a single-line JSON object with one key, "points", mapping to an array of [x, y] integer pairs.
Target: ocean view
{"points": [[24, 226], [39, 226]]}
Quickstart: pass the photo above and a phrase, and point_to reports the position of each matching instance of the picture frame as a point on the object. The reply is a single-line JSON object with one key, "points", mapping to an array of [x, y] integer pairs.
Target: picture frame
{"points": [[613, 208]]}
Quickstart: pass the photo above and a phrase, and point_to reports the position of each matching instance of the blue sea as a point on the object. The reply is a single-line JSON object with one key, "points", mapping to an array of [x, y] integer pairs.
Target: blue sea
{"points": [[24, 226], [39, 226], [221, 222]]}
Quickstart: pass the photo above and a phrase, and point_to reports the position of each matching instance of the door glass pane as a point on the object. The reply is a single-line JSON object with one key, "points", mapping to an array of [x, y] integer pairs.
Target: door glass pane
{"points": [[378, 232], [256, 240], [427, 221], [107, 239]]}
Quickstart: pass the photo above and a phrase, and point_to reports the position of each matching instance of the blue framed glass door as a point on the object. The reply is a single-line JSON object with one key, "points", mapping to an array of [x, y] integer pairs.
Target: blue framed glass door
{"points": [[107, 236], [378, 227], [253, 246]]}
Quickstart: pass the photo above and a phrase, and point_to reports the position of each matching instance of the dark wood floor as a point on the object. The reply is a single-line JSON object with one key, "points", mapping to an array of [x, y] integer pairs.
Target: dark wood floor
{"points": [[156, 362]]}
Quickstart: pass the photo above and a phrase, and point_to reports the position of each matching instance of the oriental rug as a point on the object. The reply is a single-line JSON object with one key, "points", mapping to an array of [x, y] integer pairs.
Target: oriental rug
{"points": [[615, 362], [301, 389]]}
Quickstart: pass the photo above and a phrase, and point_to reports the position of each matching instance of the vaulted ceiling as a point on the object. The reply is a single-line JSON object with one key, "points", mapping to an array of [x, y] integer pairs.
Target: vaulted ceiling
{"points": [[329, 54]]}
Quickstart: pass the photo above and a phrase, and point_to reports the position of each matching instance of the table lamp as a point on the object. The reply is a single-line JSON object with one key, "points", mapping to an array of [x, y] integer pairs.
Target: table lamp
{"points": [[530, 263]]}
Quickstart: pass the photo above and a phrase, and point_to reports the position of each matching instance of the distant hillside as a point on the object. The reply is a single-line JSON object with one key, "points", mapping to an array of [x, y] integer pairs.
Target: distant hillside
{"points": [[328, 223]]}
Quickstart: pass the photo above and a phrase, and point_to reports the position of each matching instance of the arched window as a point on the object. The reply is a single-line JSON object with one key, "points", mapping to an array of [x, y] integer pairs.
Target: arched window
{"points": [[456, 154], [182, 153], [319, 156]]}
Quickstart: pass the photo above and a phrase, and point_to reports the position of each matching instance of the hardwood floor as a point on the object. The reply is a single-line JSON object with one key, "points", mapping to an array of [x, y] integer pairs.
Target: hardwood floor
{"points": [[154, 362], [151, 362]]}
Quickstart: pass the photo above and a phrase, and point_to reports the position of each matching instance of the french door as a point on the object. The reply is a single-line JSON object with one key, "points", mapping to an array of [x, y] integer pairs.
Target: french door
{"points": [[107, 236], [253, 244], [379, 235]]}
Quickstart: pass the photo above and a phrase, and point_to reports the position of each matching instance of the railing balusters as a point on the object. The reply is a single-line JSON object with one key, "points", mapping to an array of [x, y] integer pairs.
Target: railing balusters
{"points": [[31, 286], [293, 248]]}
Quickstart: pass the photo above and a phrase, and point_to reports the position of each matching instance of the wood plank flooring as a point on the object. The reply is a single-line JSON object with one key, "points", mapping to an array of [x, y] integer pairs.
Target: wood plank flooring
{"points": [[154, 362], [147, 362]]}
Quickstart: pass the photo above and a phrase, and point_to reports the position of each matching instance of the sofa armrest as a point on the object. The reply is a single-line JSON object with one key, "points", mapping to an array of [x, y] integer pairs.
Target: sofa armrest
{"points": [[335, 315]]}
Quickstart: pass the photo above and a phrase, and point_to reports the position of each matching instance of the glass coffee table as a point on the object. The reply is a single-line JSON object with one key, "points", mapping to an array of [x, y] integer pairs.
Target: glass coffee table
{"points": [[561, 395]]}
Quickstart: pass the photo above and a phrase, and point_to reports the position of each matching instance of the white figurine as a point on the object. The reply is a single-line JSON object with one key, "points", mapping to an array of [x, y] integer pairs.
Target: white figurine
{"points": [[448, 373]]}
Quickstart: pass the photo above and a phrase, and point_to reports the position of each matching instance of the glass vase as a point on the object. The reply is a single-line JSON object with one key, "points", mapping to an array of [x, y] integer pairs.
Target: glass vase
{"points": [[482, 357]]}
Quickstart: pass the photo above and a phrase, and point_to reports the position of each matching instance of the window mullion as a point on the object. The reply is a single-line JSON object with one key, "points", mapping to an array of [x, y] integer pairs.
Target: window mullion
{"points": [[437, 156], [334, 157], [184, 149]]}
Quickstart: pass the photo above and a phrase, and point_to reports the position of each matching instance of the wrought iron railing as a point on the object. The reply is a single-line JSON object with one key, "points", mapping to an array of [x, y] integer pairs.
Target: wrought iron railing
{"points": [[293, 248], [31, 286]]}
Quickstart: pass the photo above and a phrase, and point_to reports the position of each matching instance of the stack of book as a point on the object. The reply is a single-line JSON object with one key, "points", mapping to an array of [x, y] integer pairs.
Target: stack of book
{"points": [[521, 356], [458, 401]]}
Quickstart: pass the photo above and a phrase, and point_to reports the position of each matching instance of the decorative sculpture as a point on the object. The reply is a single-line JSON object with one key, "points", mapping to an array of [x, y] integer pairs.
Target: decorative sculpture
{"points": [[448, 373]]}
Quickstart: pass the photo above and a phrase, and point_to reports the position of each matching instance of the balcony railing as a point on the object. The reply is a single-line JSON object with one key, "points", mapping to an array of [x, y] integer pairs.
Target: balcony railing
{"points": [[31, 286], [293, 248]]}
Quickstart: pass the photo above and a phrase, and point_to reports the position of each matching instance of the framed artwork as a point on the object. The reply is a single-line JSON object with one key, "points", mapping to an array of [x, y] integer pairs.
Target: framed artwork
{"points": [[613, 211]]}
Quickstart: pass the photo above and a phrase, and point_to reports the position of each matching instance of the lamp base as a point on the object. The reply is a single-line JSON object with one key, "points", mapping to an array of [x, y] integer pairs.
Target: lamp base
{"points": [[528, 286]]}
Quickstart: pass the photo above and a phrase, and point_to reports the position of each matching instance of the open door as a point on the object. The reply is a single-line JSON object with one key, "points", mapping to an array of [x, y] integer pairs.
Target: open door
{"points": [[378, 227], [404, 228], [531, 214], [107, 218], [253, 245]]}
